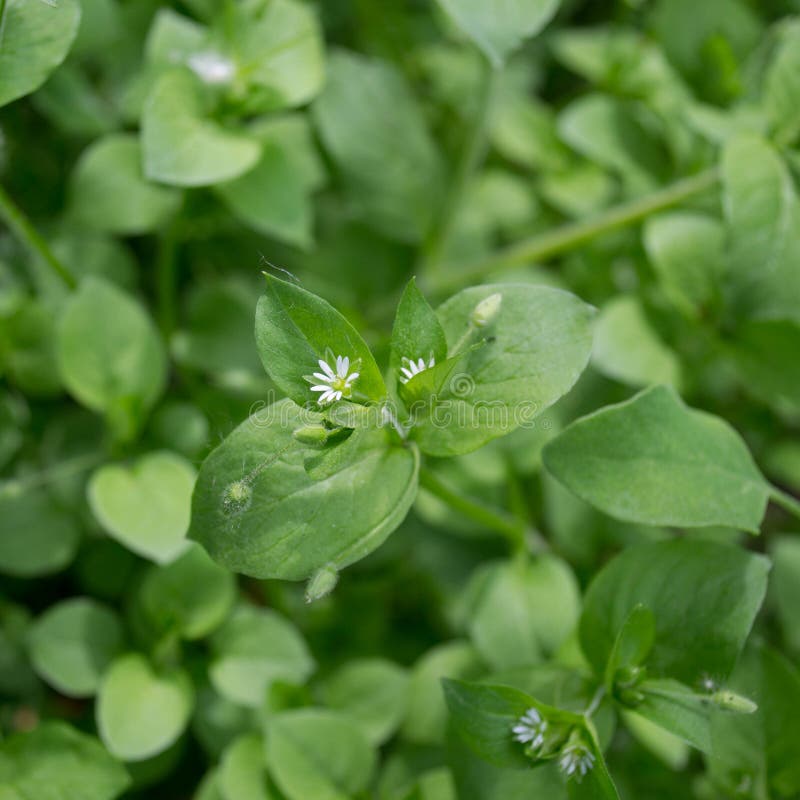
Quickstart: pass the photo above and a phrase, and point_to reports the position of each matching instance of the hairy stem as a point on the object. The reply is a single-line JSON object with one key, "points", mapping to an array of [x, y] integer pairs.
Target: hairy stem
{"points": [[573, 234], [518, 534], [22, 228], [470, 157]]}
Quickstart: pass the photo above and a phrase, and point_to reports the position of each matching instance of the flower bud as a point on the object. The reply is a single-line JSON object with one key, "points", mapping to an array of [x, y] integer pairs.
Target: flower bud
{"points": [[322, 583], [484, 313], [313, 435], [731, 701]]}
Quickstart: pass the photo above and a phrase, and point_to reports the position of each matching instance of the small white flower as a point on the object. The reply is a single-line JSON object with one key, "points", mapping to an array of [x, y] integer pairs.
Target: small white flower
{"points": [[413, 368], [212, 67], [530, 729], [576, 760], [333, 385]]}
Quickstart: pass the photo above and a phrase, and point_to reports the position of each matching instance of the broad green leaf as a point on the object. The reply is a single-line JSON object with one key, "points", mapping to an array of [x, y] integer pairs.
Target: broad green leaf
{"points": [[295, 329], [146, 506], [484, 715], [141, 712], [370, 123], [34, 39], [653, 460], [109, 353], [608, 132], [762, 212], [30, 341], [765, 355], [275, 197], [417, 333], [704, 597], [174, 38], [627, 349], [316, 753], [279, 50], [499, 27], [191, 596], [523, 611], [785, 587], [665, 746], [678, 709], [57, 762], [258, 511], [686, 251], [37, 537], [218, 722], [533, 352], [372, 692], [209, 787], [782, 85], [72, 643], [426, 720], [760, 748], [597, 783], [633, 643], [242, 773], [253, 649], [181, 145], [109, 192]]}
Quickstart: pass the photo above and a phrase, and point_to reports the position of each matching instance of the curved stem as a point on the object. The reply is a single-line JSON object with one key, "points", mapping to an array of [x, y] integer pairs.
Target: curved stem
{"points": [[519, 535], [22, 228], [469, 160], [573, 234], [786, 501]]}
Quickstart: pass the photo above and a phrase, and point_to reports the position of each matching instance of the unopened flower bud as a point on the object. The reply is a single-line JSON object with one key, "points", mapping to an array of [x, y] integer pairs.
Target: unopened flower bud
{"points": [[484, 313], [322, 583], [731, 701], [313, 435]]}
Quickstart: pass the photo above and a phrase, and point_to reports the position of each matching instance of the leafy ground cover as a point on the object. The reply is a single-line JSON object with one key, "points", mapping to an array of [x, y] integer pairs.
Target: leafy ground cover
{"points": [[399, 400]]}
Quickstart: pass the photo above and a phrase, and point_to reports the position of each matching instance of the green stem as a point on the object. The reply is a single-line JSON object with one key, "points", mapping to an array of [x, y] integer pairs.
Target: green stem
{"points": [[470, 157], [786, 502], [22, 228], [595, 702], [573, 234], [517, 532]]}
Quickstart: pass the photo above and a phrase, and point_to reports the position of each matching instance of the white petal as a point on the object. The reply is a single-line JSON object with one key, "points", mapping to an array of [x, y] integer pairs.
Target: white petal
{"points": [[324, 378], [421, 364], [351, 378], [409, 375], [326, 369], [344, 365], [321, 388], [337, 395]]}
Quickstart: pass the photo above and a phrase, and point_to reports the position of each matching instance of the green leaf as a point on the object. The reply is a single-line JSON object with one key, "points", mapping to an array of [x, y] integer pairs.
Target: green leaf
{"points": [[191, 596], [37, 537], [57, 762], [279, 50], [704, 597], [295, 329], [109, 192], [763, 217], [242, 772], [72, 643], [417, 333], [534, 351], [633, 643], [686, 251], [275, 197], [760, 748], [141, 712], [678, 709], [497, 27], [34, 39], [483, 716], [252, 650], [523, 611], [785, 586], [653, 460], [146, 506], [181, 145], [426, 721], [372, 692], [109, 353], [316, 753], [370, 123], [258, 511], [782, 85], [627, 349]]}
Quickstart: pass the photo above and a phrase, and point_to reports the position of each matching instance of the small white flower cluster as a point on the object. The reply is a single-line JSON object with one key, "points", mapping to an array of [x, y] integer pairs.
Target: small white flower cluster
{"points": [[530, 729], [334, 384], [412, 368], [576, 760]]}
